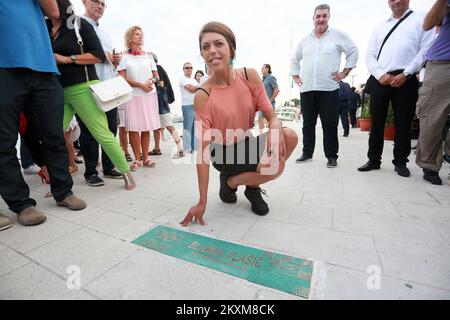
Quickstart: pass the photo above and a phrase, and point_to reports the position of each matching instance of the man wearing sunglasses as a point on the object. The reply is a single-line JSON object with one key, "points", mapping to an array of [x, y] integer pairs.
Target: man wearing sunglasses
{"points": [[89, 146], [188, 87]]}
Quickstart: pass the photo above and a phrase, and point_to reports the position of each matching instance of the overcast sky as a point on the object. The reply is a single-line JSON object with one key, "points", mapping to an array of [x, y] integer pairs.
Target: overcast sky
{"points": [[263, 30]]}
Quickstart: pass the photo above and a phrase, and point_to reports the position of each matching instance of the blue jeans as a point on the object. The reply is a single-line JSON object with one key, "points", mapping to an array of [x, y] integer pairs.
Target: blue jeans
{"points": [[25, 156], [40, 95], [189, 140]]}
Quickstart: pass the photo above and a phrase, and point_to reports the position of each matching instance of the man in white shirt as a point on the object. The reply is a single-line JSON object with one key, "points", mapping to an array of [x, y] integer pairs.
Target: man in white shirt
{"points": [[320, 53], [188, 87], [394, 72], [89, 146]]}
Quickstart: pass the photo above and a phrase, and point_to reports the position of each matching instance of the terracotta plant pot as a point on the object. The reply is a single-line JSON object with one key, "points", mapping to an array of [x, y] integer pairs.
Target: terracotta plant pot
{"points": [[365, 124], [389, 132]]}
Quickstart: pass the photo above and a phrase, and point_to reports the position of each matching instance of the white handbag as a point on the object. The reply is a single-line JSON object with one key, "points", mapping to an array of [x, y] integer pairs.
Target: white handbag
{"points": [[111, 93]]}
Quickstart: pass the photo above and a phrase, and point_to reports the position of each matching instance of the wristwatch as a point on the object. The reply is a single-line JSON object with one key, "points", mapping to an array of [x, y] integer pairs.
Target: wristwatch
{"points": [[73, 58]]}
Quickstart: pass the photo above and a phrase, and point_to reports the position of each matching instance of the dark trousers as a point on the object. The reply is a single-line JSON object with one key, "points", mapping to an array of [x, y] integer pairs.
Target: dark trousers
{"points": [[352, 113], [89, 146], [26, 159], [323, 104], [343, 113], [42, 96], [403, 101]]}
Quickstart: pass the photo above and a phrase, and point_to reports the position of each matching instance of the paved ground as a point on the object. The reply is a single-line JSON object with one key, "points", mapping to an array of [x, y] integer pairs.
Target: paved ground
{"points": [[349, 220]]}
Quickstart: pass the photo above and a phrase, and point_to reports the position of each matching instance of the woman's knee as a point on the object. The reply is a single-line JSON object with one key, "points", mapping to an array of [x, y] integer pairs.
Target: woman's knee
{"points": [[291, 139], [273, 172]]}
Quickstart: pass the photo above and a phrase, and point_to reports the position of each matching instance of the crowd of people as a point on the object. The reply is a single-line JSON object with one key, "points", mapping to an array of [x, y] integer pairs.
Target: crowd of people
{"points": [[46, 97], [398, 49]]}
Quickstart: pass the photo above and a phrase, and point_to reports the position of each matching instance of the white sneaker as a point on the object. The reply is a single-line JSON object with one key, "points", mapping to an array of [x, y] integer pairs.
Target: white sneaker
{"points": [[34, 169]]}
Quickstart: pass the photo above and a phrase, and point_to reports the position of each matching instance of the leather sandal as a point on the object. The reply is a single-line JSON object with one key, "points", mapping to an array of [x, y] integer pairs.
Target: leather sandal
{"points": [[155, 152], [129, 181], [149, 163], [135, 165]]}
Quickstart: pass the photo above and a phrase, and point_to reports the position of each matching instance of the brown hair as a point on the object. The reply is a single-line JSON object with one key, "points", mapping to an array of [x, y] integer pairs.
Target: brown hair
{"points": [[225, 31], [129, 34]]}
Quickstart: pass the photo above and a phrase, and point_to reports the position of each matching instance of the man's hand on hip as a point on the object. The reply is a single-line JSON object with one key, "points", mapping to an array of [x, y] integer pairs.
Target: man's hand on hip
{"points": [[339, 76]]}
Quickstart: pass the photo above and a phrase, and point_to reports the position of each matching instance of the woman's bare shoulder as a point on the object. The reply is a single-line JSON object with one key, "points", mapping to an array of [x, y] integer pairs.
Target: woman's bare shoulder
{"points": [[252, 75], [201, 96]]}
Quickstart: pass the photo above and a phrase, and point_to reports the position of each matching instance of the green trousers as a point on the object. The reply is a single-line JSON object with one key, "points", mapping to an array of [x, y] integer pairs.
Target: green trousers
{"points": [[78, 100]]}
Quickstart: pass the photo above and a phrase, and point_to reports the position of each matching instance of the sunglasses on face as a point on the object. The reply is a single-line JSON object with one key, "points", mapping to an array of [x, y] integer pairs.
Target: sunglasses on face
{"points": [[189, 68]]}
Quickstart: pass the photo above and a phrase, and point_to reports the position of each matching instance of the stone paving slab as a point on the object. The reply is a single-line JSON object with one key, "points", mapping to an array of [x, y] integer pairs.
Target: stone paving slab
{"points": [[352, 285], [92, 251], [33, 282], [149, 275], [339, 248], [11, 260], [25, 239], [424, 265]]}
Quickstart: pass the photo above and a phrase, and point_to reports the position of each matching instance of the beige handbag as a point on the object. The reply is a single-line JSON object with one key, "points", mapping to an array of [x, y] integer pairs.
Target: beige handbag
{"points": [[111, 93]]}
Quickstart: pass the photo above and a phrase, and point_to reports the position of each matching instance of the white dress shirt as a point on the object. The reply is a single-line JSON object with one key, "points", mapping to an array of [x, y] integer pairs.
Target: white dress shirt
{"points": [[104, 70], [405, 49], [321, 57]]}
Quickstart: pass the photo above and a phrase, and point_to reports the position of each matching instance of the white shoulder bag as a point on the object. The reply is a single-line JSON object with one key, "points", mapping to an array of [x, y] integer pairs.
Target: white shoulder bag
{"points": [[111, 93]]}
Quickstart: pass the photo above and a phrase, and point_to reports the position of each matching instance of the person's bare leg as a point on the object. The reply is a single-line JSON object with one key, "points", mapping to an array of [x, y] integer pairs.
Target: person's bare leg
{"points": [[47, 178], [145, 144], [176, 137], [255, 179], [135, 145], [157, 135], [123, 138], [162, 134], [71, 150]]}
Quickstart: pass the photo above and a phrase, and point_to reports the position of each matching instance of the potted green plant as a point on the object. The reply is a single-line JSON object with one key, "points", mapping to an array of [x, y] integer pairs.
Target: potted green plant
{"points": [[365, 121], [389, 128]]}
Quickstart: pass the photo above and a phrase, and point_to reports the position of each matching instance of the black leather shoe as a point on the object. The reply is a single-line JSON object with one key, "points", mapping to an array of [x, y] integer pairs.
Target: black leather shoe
{"points": [[346, 135], [304, 158], [259, 206], [332, 163], [432, 177], [369, 166], [226, 194], [403, 171]]}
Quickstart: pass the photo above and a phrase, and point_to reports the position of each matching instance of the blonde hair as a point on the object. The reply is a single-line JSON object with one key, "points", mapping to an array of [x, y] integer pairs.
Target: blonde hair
{"points": [[129, 35]]}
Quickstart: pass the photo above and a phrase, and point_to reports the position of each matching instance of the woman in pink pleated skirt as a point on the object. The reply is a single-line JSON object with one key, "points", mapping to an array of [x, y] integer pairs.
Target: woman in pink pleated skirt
{"points": [[141, 113]]}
